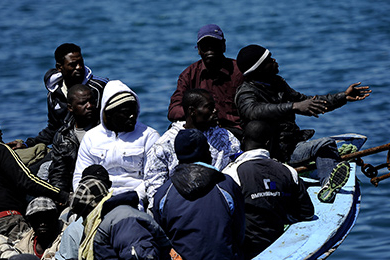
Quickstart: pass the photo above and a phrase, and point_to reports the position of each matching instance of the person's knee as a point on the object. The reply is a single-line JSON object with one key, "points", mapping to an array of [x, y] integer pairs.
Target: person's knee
{"points": [[327, 148]]}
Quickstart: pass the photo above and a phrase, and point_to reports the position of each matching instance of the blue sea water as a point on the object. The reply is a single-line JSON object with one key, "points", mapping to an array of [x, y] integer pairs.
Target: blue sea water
{"points": [[321, 46]]}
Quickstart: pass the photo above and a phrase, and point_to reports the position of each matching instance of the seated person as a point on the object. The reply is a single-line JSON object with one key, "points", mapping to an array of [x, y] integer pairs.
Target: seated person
{"points": [[16, 182], [70, 70], [127, 233], [200, 113], [119, 143], [200, 209], [213, 72], [93, 187], [274, 194], [82, 116], [45, 236], [265, 95], [112, 227]]}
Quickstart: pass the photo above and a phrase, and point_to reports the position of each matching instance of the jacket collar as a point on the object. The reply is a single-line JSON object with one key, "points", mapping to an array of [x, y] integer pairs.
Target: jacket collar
{"points": [[253, 154], [54, 81], [224, 71]]}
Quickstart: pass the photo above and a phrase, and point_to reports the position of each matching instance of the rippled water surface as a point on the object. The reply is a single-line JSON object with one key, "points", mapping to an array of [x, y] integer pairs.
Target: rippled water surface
{"points": [[321, 47]]}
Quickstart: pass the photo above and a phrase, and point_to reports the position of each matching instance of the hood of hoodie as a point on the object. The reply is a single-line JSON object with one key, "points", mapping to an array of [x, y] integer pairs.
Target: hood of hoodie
{"points": [[113, 87], [129, 198], [194, 180], [53, 78]]}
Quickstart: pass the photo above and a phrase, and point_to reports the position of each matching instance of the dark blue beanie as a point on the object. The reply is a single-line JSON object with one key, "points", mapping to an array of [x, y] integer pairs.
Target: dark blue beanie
{"points": [[191, 146]]}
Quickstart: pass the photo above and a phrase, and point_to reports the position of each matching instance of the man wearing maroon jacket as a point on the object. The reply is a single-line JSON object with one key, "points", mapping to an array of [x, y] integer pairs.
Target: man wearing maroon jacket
{"points": [[215, 73]]}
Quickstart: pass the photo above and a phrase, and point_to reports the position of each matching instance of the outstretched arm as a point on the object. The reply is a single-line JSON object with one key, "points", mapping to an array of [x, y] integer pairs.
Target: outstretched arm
{"points": [[322, 104], [310, 107], [355, 93]]}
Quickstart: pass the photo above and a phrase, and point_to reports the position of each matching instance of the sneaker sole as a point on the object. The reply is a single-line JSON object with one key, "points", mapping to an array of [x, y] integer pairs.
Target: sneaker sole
{"points": [[337, 180]]}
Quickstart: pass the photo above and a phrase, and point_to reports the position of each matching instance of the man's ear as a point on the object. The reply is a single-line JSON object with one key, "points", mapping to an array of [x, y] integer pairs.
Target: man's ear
{"points": [[106, 120], [59, 66], [224, 46], [191, 110], [242, 145], [70, 109]]}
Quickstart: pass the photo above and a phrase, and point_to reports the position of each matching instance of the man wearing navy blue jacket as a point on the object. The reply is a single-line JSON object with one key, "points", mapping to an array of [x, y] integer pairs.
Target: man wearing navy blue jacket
{"points": [[200, 209]]}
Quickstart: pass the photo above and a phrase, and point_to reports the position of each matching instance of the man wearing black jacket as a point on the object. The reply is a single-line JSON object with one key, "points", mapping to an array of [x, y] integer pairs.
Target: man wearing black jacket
{"points": [[274, 194], [70, 70], [264, 95], [82, 116]]}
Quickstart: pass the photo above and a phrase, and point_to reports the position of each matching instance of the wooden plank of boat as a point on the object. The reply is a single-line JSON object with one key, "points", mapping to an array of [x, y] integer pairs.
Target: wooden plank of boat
{"points": [[318, 238]]}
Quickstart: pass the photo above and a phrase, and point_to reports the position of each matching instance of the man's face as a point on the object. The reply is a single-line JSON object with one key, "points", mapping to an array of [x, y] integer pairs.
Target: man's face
{"points": [[205, 115], [122, 119], [211, 50], [83, 105], [44, 223], [269, 66], [72, 68]]}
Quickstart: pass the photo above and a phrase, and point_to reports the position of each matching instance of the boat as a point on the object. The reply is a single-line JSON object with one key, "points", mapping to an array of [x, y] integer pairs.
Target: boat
{"points": [[320, 237]]}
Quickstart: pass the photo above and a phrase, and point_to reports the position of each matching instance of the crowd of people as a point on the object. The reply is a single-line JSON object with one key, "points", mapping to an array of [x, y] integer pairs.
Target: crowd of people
{"points": [[218, 184]]}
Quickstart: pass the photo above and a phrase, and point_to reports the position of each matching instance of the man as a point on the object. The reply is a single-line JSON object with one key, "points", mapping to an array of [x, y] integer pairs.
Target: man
{"points": [[266, 96], [16, 181], [70, 70], [94, 185], [127, 233], [44, 238], [274, 194], [119, 143], [200, 114], [112, 226], [200, 209], [215, 73], [82, 116]]}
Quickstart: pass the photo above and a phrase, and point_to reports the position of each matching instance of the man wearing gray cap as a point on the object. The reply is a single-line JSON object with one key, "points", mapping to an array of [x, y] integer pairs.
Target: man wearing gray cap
{"points": [[215, 73], [16, 182], [44, 238]]}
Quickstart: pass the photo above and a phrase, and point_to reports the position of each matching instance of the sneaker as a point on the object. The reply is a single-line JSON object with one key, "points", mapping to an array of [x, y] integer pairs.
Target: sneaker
{"points": [[337, 180]]}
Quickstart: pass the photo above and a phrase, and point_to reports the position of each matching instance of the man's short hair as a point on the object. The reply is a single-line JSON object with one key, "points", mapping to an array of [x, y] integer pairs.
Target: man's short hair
{"points": [[63, 50], [193, 97], [74, 89], [258, 131]]}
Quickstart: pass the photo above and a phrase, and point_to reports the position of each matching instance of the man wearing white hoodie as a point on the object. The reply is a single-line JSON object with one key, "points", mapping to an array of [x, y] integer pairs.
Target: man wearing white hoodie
{"points": [[119, 143]]}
